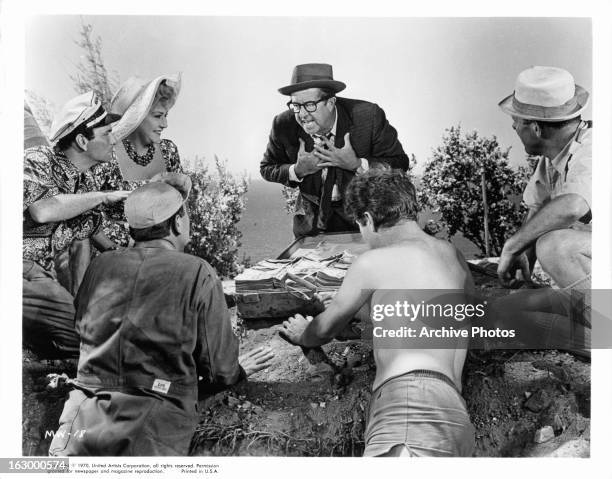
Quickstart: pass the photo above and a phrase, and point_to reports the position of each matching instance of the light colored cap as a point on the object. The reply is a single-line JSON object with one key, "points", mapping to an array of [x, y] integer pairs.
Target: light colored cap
{"points": [[135, 98], [547, 94], [86, 108], [157, 201]]}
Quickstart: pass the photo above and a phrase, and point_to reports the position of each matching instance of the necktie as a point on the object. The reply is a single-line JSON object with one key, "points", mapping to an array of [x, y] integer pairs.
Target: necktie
{"points": [[330, 191]]}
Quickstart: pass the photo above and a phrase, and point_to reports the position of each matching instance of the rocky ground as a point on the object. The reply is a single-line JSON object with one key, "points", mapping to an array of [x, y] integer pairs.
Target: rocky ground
{"points": [[522, 403]]}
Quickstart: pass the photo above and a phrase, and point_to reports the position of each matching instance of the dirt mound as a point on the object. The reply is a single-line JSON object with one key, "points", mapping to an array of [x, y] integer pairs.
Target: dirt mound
{"points": [[306, 406], [512, 395]]}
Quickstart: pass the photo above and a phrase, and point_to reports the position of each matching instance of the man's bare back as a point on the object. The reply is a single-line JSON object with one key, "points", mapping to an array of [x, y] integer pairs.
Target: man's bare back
{"points": [[417, 263], [405, 258]]}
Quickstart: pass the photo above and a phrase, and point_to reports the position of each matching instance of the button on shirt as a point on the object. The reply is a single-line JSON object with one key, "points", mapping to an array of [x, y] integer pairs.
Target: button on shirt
{"points": [[569, 172]]}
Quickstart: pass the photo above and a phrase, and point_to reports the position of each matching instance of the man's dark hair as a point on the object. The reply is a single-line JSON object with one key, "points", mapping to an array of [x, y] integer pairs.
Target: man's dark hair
{"points": [[549, 128], [64, 143], [158, 231], [388, 195]]}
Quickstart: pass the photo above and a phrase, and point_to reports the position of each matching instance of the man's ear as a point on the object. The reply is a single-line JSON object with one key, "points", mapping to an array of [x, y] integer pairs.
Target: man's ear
{"points": [[536, 129], [81, 141], [176, 225]]}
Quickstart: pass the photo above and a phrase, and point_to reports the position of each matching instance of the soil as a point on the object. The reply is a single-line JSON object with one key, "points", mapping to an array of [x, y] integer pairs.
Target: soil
{"points": [[302, 406]]}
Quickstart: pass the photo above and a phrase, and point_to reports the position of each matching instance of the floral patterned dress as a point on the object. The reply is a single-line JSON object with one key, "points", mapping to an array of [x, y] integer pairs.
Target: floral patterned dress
{"points": [[108, 177], [47, 173]]}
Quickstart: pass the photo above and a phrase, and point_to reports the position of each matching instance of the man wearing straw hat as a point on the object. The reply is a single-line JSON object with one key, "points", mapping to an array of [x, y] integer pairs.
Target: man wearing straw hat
{"points": [[321, 142], [58, 199], [152, 320], [546, 109]]}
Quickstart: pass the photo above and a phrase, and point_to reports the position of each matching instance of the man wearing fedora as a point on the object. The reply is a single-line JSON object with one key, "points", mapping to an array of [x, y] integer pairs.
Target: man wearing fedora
{"points": [[58, 199], [152, 321], [321, 142], [546, 109]]}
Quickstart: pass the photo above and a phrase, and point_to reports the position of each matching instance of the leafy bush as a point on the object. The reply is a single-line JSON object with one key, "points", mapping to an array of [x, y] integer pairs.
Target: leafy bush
{"points": [[216, 204], [451, 186]]}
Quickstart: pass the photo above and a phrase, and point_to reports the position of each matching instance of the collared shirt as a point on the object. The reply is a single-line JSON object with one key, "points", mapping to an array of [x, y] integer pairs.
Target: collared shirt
{"points": [[47, 173], [569, 172]]}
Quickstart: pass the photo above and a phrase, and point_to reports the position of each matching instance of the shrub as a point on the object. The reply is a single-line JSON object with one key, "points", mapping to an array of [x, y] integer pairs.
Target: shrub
{"points": [[451, 186], [215, 206]]}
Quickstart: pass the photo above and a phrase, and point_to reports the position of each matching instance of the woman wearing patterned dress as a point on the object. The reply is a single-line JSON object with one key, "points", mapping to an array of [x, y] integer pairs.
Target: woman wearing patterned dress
{"points": [[139, 152]]}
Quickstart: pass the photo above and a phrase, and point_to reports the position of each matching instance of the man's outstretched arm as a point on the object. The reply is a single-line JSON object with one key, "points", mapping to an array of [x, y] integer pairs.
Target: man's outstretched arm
{"points": [[325, 326], [65, 206]]}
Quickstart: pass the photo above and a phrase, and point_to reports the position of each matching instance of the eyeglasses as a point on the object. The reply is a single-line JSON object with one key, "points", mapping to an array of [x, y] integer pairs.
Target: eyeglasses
{"points": [[309, 106]]}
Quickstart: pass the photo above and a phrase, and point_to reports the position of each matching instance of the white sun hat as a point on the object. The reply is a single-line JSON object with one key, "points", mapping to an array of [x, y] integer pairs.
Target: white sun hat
{"points": [[135, 98], [546, 94]]}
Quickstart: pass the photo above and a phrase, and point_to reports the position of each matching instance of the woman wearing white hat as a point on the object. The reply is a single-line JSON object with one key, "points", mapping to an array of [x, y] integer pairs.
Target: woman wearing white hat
{"points": [[139, 152]]}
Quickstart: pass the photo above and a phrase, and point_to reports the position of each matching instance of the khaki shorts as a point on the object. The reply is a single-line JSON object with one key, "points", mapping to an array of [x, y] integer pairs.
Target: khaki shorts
{"points": [[423, 411]]}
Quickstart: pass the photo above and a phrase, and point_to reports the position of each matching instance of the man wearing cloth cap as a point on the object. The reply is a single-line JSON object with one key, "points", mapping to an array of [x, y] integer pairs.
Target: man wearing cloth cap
{"points": [[58, 199], [545, 107], [321, 143], [152, 319]]}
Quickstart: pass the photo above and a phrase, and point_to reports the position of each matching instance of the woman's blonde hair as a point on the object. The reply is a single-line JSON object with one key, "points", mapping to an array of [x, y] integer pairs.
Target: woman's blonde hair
{"points": [[165, 94]]}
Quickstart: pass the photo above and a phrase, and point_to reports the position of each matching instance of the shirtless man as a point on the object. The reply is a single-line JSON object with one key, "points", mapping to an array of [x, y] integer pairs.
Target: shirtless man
{"points": [[416, 408]]}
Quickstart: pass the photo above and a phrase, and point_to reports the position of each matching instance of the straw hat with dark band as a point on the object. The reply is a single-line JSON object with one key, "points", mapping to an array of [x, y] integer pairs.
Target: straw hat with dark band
{"points": [[545, 94]]}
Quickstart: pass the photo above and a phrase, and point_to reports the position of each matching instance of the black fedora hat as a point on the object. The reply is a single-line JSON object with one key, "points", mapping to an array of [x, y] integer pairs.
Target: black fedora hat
{"points": [[312, 75]]}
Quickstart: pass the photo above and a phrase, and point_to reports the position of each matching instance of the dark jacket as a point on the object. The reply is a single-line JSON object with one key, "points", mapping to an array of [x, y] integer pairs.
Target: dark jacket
{"points": [[151, 321], [371, 136], [147, 314]]}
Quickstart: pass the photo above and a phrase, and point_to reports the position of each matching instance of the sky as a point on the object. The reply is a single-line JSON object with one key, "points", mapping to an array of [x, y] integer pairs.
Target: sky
{"points": [[426, 73]]}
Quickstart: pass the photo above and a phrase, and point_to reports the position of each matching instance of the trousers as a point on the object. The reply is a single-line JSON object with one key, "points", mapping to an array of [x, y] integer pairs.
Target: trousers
{"points": [[118, 423], [48, 315]]}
